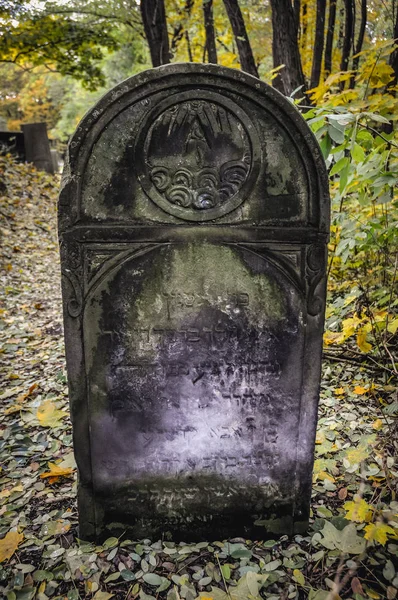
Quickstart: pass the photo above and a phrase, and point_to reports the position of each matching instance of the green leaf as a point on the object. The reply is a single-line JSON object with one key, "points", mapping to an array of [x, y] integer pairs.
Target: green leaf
{"points": [[43, 576], [346, 541], [326, 145], [340, 165], [110, 543], [344, 177], [226, 571], [127, 575], [241, 553], [357, 153], [271, 566], [336, 134], [112, 577], [166, 583], [152, 579]]}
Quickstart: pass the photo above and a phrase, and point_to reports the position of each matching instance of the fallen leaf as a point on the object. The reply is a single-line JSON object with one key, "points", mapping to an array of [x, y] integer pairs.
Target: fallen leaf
{"points": [[9, 544], [359, 390], [49, 415], [357, 587], [23, 397], [68, 462], [345, 540], [56, 471], [358, 510], [299, 577], [378, 532], [377, 425], [391, 592], [102, 595]]}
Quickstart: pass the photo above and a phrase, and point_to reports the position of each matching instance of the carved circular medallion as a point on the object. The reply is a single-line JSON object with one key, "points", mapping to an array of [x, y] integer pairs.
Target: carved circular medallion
{"points": [[197, 155]]}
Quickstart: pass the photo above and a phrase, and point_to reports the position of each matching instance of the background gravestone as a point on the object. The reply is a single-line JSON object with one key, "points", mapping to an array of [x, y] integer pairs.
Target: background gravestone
{"points": [[193, 222], [37, 146]]}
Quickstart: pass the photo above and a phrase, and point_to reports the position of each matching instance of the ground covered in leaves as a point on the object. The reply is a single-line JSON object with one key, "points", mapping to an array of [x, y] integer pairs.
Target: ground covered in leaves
{"points": [[350, 551]]}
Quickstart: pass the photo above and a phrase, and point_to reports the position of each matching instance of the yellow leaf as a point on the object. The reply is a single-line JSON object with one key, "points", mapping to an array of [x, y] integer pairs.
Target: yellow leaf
{"points": [[28, 393], [358, 510], [359, 390], [363, 345], [350, 325], [9, 544], [322, 475], [357, 455], [349, 299], [13, 409], [299, 577], [377, 425], [330, 337], [6, 493], [56, 471], [378, 532], [339, 391], [392, 327], [49, 415]]}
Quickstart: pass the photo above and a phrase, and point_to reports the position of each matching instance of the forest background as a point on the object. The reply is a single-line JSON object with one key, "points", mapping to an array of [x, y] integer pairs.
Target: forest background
{"points": [[337, 61]]}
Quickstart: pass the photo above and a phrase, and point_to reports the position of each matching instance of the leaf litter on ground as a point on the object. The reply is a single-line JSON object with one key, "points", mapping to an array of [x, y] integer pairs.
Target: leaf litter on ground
{"points": [[353, 534]]}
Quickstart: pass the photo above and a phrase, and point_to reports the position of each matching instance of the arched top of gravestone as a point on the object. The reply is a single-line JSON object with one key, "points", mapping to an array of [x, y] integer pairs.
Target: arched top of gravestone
{"points": [[194, 144]]}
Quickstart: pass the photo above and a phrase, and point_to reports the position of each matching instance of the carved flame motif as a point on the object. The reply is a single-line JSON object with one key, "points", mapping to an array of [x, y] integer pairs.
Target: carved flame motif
{"points": [[211, 149]]}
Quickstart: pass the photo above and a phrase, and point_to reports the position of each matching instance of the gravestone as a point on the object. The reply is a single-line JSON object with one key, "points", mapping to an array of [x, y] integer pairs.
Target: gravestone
{"points": [[37, 146], [193, 221]]}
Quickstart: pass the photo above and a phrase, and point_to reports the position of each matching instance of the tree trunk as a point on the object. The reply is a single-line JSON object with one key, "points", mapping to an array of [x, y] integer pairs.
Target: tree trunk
{"points": [[154, 20], [359, 44], [209, 29], [394, 55], [303, 26], [190, 55], [329, 38], [389, 127], [348, 37], [242, 41], [318, 44], [285, 48], [297, 10]]}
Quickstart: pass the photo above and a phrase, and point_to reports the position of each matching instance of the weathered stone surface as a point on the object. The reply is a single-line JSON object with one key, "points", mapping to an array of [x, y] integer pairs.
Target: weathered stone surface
{"points": [[37, 146], [193, 227]]}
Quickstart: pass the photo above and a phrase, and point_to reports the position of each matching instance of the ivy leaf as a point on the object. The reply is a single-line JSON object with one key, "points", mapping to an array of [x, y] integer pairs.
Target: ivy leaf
{"points": [[346, 540]]}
